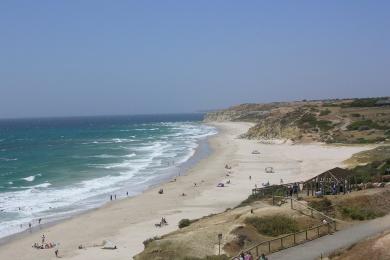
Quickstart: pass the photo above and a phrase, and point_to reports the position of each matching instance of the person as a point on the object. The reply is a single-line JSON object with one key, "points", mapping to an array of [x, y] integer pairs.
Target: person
{"points": [[263, 257], [43, 238], [127, 193], [110, 197], [248, 256], [39, 221], [56, 252], [250, 177], [29, 225], [242, 256], [115, 196]]}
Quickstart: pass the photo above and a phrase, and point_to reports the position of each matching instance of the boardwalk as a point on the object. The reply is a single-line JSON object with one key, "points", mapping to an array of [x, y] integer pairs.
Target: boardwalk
{"points": [[328, 244]]}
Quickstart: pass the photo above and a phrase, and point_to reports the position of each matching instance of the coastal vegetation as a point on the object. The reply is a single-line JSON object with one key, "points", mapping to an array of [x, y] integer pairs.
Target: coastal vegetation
{"points": [[347, 121], [275, 225]]}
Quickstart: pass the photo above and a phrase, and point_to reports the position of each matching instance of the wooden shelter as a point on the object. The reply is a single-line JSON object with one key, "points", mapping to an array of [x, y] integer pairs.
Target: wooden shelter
{"points": [[333, 181]]}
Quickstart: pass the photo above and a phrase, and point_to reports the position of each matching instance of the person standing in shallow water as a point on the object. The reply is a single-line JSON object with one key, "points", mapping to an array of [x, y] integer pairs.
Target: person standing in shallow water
{"points": [[110, 197]]}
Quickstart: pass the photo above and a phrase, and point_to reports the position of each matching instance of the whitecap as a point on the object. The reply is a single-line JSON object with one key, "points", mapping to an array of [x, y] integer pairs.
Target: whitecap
{"points": [[7, 159], [32, 177]]}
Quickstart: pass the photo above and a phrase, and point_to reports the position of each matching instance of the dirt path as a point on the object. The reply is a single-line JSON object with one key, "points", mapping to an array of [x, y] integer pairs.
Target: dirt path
{"points": [[328, 244]]}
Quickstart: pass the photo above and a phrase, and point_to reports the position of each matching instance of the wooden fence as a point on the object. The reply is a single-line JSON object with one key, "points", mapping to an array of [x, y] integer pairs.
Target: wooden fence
{"points": [[329, 226], [290, 240]]}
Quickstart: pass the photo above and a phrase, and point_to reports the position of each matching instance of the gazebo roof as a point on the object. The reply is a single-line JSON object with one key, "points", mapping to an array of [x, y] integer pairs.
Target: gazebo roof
{"points": [[335, 173]]}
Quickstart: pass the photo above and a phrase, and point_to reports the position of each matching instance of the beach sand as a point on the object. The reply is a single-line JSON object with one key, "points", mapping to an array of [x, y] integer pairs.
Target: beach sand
{"points": [[128, 222]]}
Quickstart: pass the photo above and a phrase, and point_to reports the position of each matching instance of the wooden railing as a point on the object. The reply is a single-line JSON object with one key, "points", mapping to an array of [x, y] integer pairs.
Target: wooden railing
{"points": [[290, 240], [299, 237]]}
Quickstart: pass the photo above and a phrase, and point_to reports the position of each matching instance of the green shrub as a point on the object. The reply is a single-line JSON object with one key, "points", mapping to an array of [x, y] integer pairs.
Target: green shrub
{"points": [[324, 205], [325, 112], [185, 222], [357, 213], [362, 102], [364, 124], [273, 225], [149, 240]]}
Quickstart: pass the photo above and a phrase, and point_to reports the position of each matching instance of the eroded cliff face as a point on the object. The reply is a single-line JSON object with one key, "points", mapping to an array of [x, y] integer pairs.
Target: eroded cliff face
{"points": [[272, 129], [330, 121], [243, 112]]}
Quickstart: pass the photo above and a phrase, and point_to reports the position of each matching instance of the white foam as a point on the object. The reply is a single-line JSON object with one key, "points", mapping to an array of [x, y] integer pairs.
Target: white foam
{"points": [[32, 177], [140, 166], [7, 159]]}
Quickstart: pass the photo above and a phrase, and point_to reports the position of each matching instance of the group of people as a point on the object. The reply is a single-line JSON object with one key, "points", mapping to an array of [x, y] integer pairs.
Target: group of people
{"points": [[294, 189], [46, 245], [248, 256], [163, 222], [113, 197]]}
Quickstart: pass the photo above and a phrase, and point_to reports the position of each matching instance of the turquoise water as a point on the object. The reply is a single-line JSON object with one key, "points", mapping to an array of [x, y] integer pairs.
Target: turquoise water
{"points": [[50, 168]]}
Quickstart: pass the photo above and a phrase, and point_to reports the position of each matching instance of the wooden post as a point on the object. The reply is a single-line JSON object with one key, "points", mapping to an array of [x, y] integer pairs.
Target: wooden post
{"points": [[318, 231], [281, 242], [306, 234], [273, 198], [269, 246], [294, 239], [291, 203]]}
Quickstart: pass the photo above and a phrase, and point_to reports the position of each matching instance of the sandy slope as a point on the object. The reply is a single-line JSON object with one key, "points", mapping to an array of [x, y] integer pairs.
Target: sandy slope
{"points": [[129, 222]]}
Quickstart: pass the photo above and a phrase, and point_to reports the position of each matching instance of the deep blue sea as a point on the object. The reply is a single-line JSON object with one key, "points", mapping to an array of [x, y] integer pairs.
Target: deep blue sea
{"points": [[53, 167]]}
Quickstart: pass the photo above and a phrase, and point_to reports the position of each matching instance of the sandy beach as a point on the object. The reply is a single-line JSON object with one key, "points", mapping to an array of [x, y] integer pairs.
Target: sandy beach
{"points": [[128, 222]]}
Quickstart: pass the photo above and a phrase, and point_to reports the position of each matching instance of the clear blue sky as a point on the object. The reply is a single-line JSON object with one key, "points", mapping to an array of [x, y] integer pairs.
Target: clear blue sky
{"points": [[65, 58]]}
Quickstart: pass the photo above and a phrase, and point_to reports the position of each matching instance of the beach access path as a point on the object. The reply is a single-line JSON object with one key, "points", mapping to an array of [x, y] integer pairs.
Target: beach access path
{"points": [[328, 244]]}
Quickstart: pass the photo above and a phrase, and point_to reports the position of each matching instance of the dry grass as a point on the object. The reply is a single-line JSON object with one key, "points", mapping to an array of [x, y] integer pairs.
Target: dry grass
{"points": [[374, 248]]}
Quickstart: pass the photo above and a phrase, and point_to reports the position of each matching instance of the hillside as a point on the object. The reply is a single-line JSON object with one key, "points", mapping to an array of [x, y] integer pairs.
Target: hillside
{"points": [[332, 121]]}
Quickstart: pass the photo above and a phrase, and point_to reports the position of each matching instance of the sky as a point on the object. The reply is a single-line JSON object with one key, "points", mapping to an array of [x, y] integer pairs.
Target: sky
{"points": [[70, 58]]}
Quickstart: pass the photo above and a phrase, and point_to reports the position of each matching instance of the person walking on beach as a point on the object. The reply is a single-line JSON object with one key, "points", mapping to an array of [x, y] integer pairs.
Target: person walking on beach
{"points": [[115, 196], [56, 252], [43, 239], [127, 193], [110, 197], [39, 221], [29, 225]]}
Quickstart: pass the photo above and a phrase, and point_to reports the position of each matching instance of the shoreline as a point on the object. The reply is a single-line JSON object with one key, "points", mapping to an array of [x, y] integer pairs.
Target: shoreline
{"points": [[128, 222], [202, 151]]}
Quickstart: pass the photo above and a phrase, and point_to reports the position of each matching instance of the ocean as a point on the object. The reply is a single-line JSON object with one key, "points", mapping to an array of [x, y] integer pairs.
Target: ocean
{"points": [[52, 168]]}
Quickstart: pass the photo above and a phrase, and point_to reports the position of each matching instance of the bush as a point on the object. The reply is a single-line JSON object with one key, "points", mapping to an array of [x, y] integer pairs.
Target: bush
{"points": [[364, 125], [362, 102], [325, 112], [185, 222], [356, 213], [324, 205], [273, 225], [150, 240]]}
